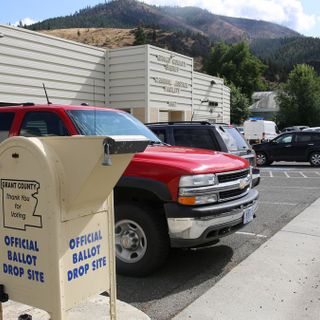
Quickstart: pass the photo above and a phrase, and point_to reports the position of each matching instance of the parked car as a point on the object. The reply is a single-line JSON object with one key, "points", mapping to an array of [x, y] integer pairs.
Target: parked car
{"points": [[167, 197], [294, 128], [256, 131], [206, 135], [292, 146]]}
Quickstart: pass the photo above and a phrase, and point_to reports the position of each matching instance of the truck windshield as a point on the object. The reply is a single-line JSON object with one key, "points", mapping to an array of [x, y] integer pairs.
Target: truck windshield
{"points": [[109, 123], [233, 138]]}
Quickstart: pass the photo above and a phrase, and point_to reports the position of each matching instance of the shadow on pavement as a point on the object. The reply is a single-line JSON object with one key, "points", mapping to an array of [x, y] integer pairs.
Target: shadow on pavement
{"points": [[183, 270]]}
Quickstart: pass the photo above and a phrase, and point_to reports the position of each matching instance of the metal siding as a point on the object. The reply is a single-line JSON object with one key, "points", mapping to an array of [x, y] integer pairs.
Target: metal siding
{"points": [[204, 90], [226, 109], [126, 75], [72, 72]]}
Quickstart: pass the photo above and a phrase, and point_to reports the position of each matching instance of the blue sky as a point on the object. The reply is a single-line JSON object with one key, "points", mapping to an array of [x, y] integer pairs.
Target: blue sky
{"points": [[300, 15]]}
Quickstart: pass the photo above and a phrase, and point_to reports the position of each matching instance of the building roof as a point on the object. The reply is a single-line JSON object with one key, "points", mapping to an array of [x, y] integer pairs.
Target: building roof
{"points": [[264, 101]]}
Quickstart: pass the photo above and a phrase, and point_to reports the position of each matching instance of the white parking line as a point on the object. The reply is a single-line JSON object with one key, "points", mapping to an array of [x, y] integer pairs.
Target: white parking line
{"points": [[292, 177], [251, 234], [292, 174], [303, 174], [287, 187], [278, 203]]}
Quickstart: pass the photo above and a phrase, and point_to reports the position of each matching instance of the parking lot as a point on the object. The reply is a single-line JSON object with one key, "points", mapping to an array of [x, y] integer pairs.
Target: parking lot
{"points": [[286, 189]]}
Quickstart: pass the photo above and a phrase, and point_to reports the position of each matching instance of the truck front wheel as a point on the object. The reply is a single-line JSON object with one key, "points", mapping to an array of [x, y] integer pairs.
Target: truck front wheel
{"points": [[141, 239]]}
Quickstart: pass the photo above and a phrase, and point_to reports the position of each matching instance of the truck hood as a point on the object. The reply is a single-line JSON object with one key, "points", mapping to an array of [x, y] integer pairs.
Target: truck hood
{"points": [[188, 160]]}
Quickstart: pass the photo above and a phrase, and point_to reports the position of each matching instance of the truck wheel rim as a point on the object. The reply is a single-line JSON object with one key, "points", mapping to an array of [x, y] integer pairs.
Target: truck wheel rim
{"points": [[315, 158], [261, 159], [130, 240]]}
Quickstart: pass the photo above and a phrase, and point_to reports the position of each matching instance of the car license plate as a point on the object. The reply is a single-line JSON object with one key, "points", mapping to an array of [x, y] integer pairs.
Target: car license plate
{"points": [[247, 215]]}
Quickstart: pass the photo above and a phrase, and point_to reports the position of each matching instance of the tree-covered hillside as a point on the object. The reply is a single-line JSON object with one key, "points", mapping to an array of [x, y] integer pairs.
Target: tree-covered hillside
{"points": [[282, 54]]}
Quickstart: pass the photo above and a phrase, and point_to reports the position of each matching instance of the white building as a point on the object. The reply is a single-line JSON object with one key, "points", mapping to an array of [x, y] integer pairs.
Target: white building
{"points": [[152, 83]]}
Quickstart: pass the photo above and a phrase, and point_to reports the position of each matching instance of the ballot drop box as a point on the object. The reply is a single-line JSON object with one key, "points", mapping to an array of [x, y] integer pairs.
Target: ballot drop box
{"points": [[57, 221]]}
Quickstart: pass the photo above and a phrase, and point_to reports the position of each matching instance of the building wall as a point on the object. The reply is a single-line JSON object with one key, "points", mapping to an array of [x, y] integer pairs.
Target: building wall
{"points": [[154, 115], [209, 100], [169, 81], [72, 73], [139, 113], [226, 104], [150, 77], [126, 77], [153, 83]]}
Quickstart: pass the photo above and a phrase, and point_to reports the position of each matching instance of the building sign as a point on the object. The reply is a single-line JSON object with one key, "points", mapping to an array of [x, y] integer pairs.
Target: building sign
{"points": [[171, 64], [170, 80], [171, 86], [19, 203]]}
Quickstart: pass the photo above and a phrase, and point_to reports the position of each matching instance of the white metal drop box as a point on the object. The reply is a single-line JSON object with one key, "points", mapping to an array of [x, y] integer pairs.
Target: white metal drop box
{"points": [[57, 217]]}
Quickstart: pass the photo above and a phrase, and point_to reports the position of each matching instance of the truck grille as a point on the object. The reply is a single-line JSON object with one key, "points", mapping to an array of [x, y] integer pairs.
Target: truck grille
{"points": [[230, 187], [227, 177], [223, 195]]}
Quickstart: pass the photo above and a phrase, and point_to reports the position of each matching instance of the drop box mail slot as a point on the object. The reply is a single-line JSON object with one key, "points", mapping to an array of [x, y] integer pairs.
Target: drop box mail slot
{"points": [[56, 213]]}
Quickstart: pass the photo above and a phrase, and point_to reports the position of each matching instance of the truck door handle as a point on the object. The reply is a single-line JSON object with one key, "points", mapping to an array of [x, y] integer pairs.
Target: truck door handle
{"points": [[288, 146], [310, 144]]}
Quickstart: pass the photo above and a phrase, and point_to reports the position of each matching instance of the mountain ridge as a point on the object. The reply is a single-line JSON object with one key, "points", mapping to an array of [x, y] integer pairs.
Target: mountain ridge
{"points": [[132, 13]]}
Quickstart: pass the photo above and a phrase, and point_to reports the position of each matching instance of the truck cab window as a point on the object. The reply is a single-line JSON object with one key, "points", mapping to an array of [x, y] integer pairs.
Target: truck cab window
{"points": [[6, 120], [37, 124]]}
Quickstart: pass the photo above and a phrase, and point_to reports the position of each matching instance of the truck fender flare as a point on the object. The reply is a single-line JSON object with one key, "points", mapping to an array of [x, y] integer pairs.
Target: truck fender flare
{"points": [[156, 187]]}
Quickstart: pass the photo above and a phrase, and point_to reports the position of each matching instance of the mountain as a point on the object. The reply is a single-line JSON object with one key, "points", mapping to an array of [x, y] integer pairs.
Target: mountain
{"points": [[282, 54], [228, 28], [131, 13], [187, 30], [187, 43]]}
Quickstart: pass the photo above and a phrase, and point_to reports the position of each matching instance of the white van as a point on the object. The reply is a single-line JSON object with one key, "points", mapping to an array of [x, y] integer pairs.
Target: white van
{"points": [[257, 131]]}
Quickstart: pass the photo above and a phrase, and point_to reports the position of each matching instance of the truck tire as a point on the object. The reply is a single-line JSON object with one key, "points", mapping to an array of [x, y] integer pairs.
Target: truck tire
{"points": [[141, 239], [262, 159], [314, 159]]}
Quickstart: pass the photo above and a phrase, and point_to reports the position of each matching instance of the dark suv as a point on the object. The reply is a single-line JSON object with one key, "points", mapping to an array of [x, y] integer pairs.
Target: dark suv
{"points": [[206, 135], [294, 146]]}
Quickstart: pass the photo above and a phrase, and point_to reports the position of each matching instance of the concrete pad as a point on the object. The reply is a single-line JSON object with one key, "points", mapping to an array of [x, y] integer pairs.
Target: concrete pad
{"points": [[279, 281], [96, 308]]}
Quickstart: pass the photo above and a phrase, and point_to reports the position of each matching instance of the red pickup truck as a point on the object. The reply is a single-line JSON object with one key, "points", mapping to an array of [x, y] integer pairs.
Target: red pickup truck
{"points": [[167, 197]]}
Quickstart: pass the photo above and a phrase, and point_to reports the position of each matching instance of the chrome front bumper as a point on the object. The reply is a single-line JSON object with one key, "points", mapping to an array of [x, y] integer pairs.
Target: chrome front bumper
{"points": [[187, 232]]}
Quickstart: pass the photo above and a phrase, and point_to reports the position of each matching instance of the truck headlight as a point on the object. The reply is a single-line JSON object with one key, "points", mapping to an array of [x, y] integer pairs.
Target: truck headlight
{"points": [[198, 200], [197, 189], [198, 180]]}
